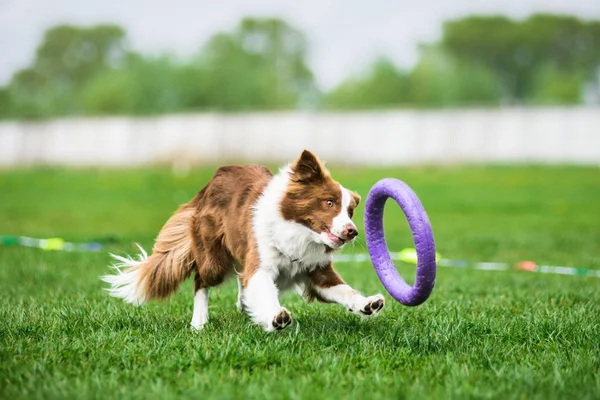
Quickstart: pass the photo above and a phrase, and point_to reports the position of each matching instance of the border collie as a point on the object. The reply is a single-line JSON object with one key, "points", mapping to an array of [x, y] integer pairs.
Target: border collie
{"points": [[274, 232]]}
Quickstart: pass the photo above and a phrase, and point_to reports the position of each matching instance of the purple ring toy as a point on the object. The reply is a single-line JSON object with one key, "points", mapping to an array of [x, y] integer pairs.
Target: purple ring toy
{"points": [[422, 236]]}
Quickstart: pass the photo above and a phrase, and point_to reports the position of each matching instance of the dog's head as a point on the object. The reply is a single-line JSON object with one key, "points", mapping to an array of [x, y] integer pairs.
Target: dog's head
{"points": [[316, 201]]}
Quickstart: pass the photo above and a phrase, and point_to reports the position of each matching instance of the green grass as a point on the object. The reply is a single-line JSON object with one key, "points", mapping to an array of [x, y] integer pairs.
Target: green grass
{"points": [[482, 334]]}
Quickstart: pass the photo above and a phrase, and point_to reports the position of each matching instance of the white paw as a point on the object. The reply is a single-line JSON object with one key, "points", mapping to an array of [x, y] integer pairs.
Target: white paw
{"points": [[372, 305], [280, 321], [198, 322], [197, 327]]}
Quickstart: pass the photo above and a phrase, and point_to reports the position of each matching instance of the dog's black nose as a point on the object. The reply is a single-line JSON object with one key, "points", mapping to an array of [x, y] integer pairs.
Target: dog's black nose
{"points": [[350, 232]]}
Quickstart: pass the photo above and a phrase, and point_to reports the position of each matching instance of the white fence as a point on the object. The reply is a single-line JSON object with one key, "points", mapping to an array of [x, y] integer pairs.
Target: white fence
{"points": [[515, 135]]}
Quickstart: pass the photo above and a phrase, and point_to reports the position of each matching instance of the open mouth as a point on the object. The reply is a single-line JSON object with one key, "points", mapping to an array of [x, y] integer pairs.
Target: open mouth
{"points": [[338, 241]]}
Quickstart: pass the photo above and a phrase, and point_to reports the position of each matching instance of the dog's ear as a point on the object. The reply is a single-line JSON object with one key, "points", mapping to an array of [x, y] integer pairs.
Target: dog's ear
{"points": [[307, 168], [355, 198]]}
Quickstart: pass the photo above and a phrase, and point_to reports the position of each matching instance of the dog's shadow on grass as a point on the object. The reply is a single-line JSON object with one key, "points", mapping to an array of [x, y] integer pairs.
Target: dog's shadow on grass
{"points": [[323, 329], [315, 325], [327, 328]]}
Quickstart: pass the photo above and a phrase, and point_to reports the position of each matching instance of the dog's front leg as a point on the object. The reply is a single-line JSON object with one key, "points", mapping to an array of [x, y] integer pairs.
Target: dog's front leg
{"points": [[261, 301], [326, 285]]}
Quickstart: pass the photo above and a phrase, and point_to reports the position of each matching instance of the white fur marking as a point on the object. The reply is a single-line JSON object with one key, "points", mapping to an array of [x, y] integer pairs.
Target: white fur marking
{"points": [[342, 219], [200, 315], [126, 284], [348, 297]]}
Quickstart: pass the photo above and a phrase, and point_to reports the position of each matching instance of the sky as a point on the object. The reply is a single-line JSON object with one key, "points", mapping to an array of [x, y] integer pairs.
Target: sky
{"points": [[344, 36]]}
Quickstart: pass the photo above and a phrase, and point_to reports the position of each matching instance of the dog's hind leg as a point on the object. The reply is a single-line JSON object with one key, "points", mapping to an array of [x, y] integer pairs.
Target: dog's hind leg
{"points": [[200, 314], [210, 274], [213, 263]]}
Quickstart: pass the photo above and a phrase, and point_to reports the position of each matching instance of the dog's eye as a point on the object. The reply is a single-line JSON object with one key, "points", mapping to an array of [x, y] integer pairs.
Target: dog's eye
{"points": [[351, 213], [329, 203]]}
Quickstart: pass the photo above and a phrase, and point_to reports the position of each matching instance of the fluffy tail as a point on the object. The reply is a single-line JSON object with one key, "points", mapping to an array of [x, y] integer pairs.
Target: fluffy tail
{"points": [[157, 275]]}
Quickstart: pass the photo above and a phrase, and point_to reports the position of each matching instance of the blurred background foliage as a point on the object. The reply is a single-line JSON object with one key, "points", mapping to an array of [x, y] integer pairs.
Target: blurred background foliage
{"points": [[261, 65]]}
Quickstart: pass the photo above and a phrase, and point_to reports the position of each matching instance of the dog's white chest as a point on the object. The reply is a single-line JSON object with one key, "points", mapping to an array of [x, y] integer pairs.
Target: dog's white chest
{"points": [[302, 261], [288, 273]]}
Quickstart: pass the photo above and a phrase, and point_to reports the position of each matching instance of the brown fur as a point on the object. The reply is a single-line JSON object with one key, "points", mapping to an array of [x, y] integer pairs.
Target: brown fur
{"points": [[308, 194], [207, 234], [353, 203], [222, 224]]}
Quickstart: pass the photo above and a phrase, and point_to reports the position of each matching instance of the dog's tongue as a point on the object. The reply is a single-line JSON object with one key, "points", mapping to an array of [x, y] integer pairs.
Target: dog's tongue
{"points": [[335, 239]]}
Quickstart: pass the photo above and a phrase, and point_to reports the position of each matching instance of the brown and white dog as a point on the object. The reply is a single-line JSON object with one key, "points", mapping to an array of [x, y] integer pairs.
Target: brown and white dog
{"points": [[274, 231]]}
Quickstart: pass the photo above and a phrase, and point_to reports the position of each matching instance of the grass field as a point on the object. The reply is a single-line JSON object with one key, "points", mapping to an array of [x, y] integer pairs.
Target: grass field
{"points": [[482, 334]]}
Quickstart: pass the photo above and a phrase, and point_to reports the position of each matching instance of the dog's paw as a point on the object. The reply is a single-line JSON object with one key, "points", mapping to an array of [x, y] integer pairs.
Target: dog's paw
{"points": [[282, 320], [373, 305], [197, 327]]}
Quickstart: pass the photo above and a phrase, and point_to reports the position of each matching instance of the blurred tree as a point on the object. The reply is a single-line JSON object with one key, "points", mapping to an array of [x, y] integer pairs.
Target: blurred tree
{"points": [[515, 50], [67, 58], [551, 85], [70, 55], [439, 79], [260, 65], [5, 103], [383, 85], [236, 79], [141, 85]]}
